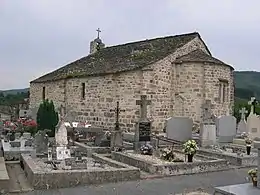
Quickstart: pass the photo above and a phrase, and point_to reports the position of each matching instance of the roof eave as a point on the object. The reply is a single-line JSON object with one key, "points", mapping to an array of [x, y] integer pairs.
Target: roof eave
{"points": [[197, 61]]}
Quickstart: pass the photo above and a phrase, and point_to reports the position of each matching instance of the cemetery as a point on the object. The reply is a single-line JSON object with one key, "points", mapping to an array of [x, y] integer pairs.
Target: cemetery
{"points": [[79, 154]]}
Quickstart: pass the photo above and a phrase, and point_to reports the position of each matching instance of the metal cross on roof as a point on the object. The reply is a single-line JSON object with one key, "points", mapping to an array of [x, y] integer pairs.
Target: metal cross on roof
{"points": [[98, 31]]}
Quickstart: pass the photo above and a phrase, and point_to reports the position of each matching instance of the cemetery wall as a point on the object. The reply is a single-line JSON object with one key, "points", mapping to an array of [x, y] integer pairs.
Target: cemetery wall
{"points": [[175, 90]]}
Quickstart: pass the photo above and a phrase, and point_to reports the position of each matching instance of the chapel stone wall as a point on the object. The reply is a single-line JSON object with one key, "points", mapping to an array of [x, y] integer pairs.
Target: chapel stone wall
{"points": [[174, 89], [54, 91]]}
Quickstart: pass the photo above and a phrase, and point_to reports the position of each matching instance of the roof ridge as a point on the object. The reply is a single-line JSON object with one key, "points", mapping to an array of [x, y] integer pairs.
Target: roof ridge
{"points": [[153, 39], [120, 58]]}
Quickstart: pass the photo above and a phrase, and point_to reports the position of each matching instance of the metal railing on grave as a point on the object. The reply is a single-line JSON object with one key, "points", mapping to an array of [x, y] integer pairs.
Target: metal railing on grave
{"points": [[165, 139]]}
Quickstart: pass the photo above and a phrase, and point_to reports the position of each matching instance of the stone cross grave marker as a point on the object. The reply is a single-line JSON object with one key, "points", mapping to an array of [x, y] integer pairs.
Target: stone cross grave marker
{"points": [[143, 126], [207, 113], [61, 113], [116, 139], [117, 110], [143, 104], [253, 102], [243, 113], [241, 127], [208, 127], [41, 141]]}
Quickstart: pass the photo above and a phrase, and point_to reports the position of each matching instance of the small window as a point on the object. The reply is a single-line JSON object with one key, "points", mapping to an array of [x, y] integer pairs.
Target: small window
{"points": [[83, 92], [223, 87], [43, 93]]}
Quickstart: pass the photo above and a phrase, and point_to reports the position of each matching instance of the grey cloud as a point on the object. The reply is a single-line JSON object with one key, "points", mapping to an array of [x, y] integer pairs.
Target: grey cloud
{"points": [[39, 36]]}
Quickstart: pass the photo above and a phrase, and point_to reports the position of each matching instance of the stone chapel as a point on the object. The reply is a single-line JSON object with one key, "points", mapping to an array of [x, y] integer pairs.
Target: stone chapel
{"points": [[177, 73]]}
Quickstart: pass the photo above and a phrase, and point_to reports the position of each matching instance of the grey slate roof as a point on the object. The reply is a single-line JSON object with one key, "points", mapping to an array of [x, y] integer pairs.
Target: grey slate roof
{"points": [[120, 58], [199, 56]]}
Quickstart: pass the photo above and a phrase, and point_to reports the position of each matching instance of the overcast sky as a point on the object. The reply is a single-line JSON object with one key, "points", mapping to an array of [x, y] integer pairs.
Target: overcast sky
{"points": [[38, 36]]}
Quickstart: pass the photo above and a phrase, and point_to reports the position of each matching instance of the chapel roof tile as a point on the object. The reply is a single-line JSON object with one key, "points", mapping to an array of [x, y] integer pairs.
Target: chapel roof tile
{"points": [[120, 58], [199, 56]]}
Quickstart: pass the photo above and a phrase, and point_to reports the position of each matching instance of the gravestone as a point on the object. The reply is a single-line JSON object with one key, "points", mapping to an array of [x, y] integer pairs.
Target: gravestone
{"points": [[208, 127], [143, 126], [61, 134], [15, 144], [62, 152], [41, 141], [179, 128], [17, 135], [116, 135], [253, 126], [26, 135], [226, 129], [12, 136], [102, 141], [253, 102], [28, 143], [241, 127]]}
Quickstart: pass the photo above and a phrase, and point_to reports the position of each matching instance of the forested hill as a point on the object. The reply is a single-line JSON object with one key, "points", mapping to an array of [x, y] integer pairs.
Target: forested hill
{"points": [[247, 84]]}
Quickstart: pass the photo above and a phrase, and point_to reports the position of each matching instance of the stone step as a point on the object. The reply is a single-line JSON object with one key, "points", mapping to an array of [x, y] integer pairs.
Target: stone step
{"points": [[18, 182]]}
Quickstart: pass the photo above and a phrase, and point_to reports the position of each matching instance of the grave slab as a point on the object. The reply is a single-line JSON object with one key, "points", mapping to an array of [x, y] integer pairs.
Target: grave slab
{"points": [[13, 153], [155, 165], [239, 189], [41, 176]]}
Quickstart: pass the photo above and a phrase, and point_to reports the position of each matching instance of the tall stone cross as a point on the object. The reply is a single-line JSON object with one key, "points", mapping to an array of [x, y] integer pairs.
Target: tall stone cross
{"points": [[117, 110], [243, 113], [143, 104], [98, 31], [61, 113], [253, 102], [207, 112]]}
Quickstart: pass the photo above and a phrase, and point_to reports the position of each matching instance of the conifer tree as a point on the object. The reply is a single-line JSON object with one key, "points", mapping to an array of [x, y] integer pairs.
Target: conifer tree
{"points": [[47, 117]]}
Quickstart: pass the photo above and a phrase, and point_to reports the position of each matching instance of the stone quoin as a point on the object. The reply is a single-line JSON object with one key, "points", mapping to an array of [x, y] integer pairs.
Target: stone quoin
{"points": [[177, 73]]}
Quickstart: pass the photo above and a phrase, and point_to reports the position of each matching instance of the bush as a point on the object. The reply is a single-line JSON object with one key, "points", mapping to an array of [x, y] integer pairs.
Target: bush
{"points": [[47, 117]]}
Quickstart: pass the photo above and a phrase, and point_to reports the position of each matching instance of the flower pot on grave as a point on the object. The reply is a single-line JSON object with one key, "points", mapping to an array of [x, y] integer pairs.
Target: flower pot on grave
{"points": [[12, 137], [254, 180], [248, 150], [190, 157]]}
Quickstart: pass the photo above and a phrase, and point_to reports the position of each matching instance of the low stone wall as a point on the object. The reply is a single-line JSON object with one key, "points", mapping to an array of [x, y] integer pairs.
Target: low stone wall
{"points": [[40, 179], [4, 177], [174, 168], [235, 160]]}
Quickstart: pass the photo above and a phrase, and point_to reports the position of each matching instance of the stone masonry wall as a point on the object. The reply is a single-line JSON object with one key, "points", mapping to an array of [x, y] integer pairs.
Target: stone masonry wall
{"points": [[53, 91], [175, 90]]}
